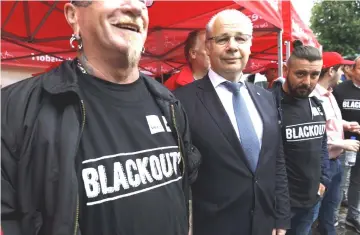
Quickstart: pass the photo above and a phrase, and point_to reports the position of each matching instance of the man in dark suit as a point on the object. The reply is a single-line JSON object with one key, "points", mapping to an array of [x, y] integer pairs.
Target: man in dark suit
{"points": [[242, 183]]}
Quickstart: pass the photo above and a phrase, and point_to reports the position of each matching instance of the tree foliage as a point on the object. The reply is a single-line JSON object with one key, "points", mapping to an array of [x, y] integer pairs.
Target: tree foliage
{"points": [[337, 25]]}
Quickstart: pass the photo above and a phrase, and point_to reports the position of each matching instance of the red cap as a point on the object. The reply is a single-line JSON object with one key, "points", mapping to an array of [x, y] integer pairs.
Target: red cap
{"points": [[348, 62], [331, 59]]}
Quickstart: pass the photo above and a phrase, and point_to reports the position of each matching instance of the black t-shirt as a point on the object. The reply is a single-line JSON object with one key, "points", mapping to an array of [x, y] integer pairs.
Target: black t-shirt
{"points": [[128, 163], [348, 97], [303, 131]]}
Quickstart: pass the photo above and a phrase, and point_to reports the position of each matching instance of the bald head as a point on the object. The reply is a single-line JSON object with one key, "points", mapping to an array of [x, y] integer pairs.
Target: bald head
{"points": [[228, 35], [229, 17]]}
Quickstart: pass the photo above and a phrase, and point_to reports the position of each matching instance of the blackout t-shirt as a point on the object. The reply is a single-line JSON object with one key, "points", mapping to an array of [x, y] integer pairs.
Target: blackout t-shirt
{"points": [[303, 130], [348, 97], [128, 163]]}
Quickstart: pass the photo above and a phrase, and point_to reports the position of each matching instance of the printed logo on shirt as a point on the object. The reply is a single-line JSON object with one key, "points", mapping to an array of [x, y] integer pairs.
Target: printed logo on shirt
{"points": [[351, 104], [317, 111], [305, 131], [121, 175], [155, 124]]}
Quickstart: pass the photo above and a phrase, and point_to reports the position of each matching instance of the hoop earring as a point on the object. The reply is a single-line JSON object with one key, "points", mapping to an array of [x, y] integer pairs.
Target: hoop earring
{"points": [[78, 39], [72, 39]]}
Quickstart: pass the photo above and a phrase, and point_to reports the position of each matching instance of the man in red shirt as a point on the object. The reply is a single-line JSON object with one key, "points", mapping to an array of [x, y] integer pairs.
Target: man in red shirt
{"points": [[197, 59], [271, 73]]}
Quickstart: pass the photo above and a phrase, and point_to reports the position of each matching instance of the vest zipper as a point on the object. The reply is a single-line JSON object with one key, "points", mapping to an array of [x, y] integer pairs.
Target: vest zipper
{"points": [[178, 138], [77, 195], [183, 164]]}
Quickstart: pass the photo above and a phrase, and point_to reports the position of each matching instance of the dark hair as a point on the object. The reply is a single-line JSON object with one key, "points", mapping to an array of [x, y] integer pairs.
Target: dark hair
{"points": [[308, 53], [190, 43], [324, 71]]}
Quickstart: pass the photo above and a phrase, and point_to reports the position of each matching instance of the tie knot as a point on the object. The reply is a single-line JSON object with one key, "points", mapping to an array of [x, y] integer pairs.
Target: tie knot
{"points": [[234, 87]]}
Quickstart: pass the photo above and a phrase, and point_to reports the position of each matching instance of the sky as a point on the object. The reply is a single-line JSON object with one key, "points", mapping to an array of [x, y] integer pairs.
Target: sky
{"points": [[303, 7]]}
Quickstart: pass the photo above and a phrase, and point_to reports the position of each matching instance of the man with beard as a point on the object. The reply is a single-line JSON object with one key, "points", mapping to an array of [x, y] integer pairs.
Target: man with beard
{"points": [[305, 144], [271, 73], [335, 126], [347, 95], [93, 146]]}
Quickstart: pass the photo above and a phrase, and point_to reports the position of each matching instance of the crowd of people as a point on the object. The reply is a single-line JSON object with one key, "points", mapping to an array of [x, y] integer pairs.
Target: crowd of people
{"points": [[96, 147]]}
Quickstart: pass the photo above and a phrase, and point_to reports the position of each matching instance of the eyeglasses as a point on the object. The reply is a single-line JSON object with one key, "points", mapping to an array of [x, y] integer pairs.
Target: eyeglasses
{"points": [[225, 39]]}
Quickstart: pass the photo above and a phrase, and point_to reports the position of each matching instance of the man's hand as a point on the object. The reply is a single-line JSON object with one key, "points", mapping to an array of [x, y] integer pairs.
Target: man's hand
{"points": [[278, 232], [321, 190], [352, 127], [351, 145]]}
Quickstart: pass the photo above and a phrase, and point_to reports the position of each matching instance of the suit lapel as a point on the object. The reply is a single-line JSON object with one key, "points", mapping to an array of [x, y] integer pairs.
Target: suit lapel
{"points": [[208, 96]]}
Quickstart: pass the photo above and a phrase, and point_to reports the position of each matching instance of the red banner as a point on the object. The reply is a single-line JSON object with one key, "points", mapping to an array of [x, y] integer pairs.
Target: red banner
{"points": [[26, 57]]}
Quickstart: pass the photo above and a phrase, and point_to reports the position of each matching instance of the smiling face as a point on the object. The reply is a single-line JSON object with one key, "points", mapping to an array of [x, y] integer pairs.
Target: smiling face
{"points": [[228, 46], [111, 27]]}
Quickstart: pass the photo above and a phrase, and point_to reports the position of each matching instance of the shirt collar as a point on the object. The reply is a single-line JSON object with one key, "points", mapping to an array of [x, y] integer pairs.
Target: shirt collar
{"points": [[322, 91], [217, 80]]}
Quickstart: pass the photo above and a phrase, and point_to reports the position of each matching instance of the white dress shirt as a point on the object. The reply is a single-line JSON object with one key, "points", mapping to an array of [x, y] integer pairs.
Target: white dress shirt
{"points": [[226, 99]]}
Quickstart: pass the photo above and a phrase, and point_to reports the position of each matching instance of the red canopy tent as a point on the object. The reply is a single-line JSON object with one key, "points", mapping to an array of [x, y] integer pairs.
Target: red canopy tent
{"points": [[294, 28], [167, 37], [35, 33]]}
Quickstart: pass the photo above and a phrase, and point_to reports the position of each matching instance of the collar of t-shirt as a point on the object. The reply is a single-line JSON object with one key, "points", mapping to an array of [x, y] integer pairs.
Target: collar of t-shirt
{"points": [[112, 93]]}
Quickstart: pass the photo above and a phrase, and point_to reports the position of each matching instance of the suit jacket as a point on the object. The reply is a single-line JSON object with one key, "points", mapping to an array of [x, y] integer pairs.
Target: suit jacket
{"points": [[228, 198]]}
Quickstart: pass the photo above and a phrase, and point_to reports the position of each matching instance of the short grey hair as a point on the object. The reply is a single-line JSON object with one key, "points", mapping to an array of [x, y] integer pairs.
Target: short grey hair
{"points": [[357, 58], [233, 14]]}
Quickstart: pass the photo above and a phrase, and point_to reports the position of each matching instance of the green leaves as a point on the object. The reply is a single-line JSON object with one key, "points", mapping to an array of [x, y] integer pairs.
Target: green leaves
{"points": [[337, 25]]}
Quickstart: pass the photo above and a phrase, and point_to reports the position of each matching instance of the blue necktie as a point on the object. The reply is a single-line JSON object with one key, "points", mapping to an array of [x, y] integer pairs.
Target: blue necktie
{"points": [[249, 140]]}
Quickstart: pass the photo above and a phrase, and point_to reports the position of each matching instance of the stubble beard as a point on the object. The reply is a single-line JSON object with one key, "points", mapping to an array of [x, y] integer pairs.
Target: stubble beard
{"points": [[295, 93], [134, 52]]}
